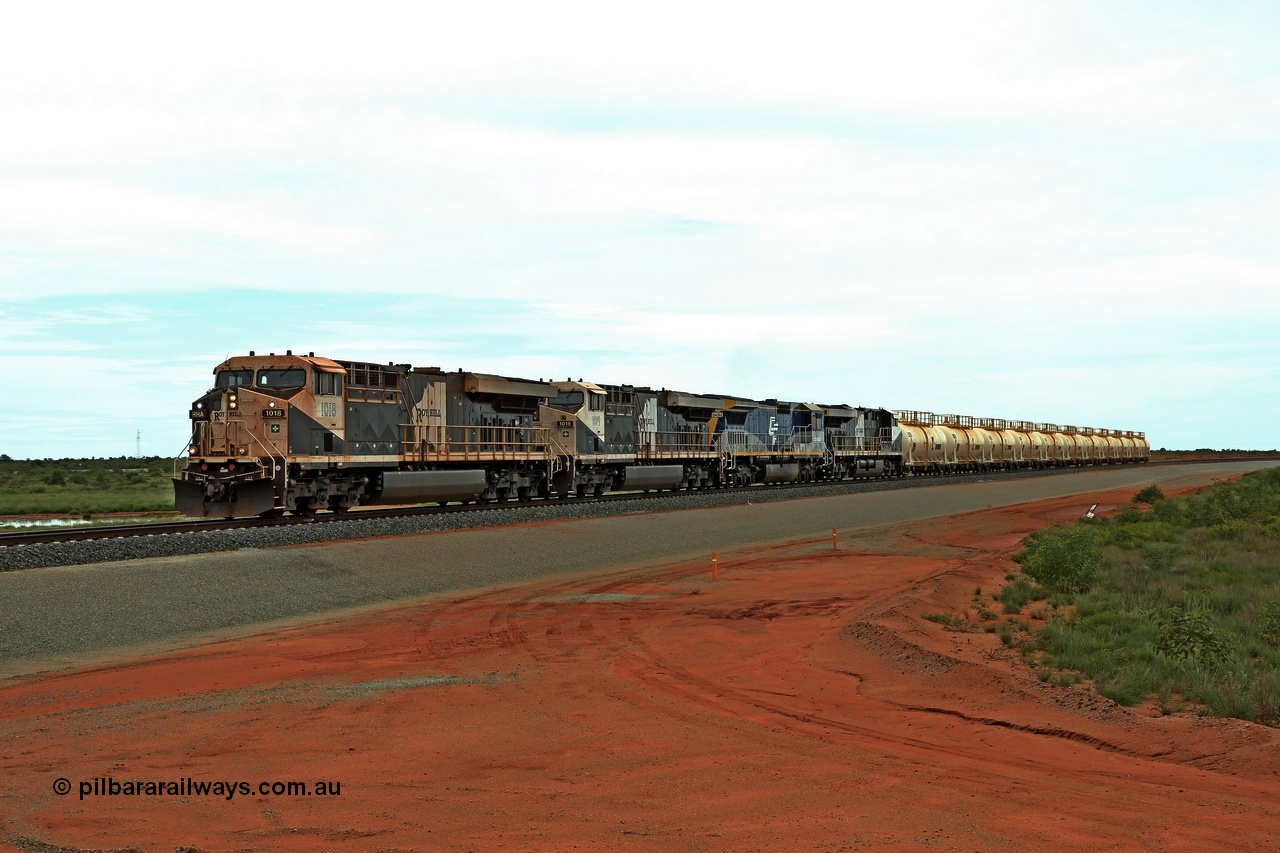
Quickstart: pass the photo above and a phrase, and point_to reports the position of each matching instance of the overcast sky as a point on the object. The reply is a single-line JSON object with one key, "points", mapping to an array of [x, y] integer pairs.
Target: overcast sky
{"points": [[1060, 212]]}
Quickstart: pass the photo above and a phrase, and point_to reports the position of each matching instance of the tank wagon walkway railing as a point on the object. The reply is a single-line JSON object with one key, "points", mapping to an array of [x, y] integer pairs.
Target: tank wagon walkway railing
{"points": [[436, 443]]}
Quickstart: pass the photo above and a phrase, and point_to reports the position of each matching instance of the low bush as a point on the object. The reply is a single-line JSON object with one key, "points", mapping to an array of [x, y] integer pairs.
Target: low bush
{"points": [[1149, 495], [954, 621], [1064, 559], [1018, 594]]}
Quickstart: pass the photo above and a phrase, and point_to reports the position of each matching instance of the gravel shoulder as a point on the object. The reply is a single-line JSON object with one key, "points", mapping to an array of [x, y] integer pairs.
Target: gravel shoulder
{"points": [[86, 614]]}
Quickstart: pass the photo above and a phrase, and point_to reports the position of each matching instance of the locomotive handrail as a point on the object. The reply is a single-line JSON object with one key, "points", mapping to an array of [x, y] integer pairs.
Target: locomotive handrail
{"points": [[186, 451], [441, 443], [283, 462], [655, 444], [860, 445], [800, 442]]}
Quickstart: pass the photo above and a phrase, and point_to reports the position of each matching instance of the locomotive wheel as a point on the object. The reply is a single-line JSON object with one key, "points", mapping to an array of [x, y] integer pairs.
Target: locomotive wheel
{"points": [[305, 508], [522, 494]]}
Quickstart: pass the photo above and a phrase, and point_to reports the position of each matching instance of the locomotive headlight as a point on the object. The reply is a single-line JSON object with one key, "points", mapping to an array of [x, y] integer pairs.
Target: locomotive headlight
{"points": [[199, 405]]}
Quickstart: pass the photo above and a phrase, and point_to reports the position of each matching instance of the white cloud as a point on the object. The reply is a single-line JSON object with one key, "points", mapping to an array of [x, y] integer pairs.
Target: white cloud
{"points": [[106, 215], [989, 58], [930, 202]]}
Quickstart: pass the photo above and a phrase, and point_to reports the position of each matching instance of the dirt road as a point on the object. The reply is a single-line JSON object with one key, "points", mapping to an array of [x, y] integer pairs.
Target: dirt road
{"points": [[80, 615]]}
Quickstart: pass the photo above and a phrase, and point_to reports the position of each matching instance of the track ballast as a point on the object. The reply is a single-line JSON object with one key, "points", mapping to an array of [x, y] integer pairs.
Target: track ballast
{"points": [[79, 546]]}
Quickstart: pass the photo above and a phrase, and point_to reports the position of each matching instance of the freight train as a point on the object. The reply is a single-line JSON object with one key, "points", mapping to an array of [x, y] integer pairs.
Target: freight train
{"points": [[299, 433]]}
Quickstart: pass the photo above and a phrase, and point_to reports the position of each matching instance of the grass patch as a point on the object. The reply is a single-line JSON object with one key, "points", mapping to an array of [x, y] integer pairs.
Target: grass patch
{"points": [[954, 621], [1180, 603], [1020, 593], [85, 486]]}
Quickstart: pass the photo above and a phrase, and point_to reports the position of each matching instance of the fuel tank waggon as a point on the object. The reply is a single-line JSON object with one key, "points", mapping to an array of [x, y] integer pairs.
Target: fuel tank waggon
{"points": [[1063, 446], [975, 444], [1101, 448], [913, 441], [928, 446], [1015, 443], [1083, 446], [1037, 449], [1141, 450]]}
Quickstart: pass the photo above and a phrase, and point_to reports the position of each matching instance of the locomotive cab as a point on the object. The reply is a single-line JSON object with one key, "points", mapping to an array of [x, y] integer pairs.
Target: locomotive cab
{"points": [[261, 411]]}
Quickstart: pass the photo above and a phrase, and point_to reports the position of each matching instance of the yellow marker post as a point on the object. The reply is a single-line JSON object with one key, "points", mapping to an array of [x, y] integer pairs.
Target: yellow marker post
{"points": [[834, 545], [715, 574]]}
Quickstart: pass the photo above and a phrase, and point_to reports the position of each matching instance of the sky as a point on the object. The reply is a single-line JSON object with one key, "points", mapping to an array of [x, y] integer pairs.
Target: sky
{"points": [[1049, 211]]}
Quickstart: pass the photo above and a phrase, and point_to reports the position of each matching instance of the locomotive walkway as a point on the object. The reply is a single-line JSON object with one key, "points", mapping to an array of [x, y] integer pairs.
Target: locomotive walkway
{"points": [[82, 615]]}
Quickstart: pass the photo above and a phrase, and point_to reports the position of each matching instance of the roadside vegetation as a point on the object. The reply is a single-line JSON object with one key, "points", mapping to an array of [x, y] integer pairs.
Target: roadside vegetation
{"points": [[85, 486], [1173, 601]]}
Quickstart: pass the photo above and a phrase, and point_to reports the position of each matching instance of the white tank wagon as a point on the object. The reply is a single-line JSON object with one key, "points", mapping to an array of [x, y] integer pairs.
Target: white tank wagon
{"points": [[933, 444]]}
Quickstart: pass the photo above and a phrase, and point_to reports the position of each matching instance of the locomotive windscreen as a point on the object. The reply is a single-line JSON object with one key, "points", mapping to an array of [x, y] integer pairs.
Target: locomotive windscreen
{"points": [[234, 378]]}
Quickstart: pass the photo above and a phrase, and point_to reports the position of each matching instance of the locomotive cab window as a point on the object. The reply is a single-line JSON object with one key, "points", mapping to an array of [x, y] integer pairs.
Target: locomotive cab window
{"points": [[568, 401], [327, 383], [282, 383], [234, 378], [595, 401], [292, 378]]}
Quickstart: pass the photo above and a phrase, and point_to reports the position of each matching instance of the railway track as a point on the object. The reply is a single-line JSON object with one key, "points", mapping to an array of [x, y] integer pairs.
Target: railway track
{"points": [[121, 531]]}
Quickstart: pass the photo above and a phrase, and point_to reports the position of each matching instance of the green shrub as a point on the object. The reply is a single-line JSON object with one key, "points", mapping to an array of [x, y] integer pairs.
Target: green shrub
{"points": [[1268, 623], [1129, 515], [1149, 495], [1016, 595], [1192, 637], [1167, 511], [1064, 559]]}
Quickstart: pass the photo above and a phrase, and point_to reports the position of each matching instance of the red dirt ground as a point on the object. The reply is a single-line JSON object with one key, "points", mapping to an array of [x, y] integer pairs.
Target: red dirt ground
{"points": [[799, 703]]}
